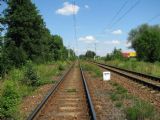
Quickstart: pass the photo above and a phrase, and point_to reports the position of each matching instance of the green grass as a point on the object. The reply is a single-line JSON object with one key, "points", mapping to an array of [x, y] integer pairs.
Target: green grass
{"points": [[71, 90], [14, 89], [138, 66], [118, 104], [94, 70], [9, 100], [138, 110]]}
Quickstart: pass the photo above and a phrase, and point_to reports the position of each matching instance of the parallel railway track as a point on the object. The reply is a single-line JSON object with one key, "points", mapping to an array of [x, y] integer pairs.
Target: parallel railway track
{"points": [[147, 80], [69, 99]]}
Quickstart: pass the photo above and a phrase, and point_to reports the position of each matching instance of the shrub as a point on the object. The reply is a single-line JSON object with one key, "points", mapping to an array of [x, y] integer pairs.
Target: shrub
{"points": [[9, 100], [30, 76], [118, 104], [60, 66], [139, 111]]}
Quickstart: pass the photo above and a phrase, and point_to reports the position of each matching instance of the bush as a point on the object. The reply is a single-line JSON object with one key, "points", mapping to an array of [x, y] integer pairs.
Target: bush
{"points": [[94, 69], [9, 100], [60, 66], [140, 111], [30, 76]]}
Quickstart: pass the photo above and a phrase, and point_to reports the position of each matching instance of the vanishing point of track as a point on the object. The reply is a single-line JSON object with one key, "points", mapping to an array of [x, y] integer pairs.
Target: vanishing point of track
{"points": [[69, 99]]}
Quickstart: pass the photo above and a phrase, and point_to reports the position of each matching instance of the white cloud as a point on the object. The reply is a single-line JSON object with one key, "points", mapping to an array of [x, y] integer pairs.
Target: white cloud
{"points": [[88, 39], [68, 9], [115, 42], [86, 6], [117, 32]]}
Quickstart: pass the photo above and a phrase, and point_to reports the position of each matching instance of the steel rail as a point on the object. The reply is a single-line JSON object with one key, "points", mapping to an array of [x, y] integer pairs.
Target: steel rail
{"points": [[148, 84], [90, 104], [155, 78], [54, 89], [51, 92]]}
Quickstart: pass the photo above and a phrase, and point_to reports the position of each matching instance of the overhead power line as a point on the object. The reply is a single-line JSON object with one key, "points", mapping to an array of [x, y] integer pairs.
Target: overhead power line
{"points": [[131, 8], [118, 12], [75, 24], [154, 17]]}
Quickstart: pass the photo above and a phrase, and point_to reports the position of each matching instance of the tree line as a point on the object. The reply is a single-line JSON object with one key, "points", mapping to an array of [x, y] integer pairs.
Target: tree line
{"points": [[88, 55], [27, 37]]}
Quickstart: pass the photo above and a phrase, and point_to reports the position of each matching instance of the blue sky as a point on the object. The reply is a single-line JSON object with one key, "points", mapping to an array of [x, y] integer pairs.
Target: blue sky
{"points": [[95, 23]]}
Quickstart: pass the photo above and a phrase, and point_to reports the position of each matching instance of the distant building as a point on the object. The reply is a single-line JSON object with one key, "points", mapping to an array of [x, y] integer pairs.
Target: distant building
{"points": [[129, 54]]}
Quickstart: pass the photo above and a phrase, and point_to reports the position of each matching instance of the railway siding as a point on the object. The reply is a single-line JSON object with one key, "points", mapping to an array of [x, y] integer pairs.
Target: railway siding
{"points": [[135, 77]]}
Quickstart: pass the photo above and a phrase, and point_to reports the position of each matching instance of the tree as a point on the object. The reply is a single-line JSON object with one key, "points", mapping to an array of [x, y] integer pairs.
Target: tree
{"points": [[146, 41], [56, 47], [1, 18], [116, 54], [71, 54], [90, 54], [26, 30]]}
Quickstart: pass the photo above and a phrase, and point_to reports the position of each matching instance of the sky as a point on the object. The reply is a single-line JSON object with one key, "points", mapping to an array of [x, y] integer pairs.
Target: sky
{"points": [[100, 24]]}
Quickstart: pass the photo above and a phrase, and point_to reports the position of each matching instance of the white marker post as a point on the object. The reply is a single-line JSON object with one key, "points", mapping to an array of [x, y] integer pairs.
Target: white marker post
{"points": [[106, 76]]}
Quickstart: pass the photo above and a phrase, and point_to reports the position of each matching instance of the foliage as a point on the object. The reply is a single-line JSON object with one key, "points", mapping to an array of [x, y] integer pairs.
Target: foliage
{"points": [[140, 111], [82, 56], [93, 69], [116, 54], [137, 110], [5, 63], [146, 41], [13, 89], [45, 72], [1, 19], [90, 54], [30, 76], [61, 66], [27, 38], [9, 100], [119, 94], [25, 29], [56, 44]]}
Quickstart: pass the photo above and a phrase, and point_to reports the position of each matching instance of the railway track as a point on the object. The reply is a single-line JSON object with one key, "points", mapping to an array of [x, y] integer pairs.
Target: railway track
{"points": [[147, 80], [69, 99]]}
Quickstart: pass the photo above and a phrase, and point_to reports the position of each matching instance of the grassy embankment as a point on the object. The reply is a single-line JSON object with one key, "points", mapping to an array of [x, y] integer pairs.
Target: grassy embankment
{"points": [[133, 107], [22, 82], [138, 66]]}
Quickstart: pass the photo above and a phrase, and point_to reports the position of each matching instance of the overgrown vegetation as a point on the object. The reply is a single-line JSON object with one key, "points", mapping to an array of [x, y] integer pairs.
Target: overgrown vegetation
{"points": [[137, 109], [29, 54], [138, 66], [116, 54], [145, 40], [9, 100], [26, 38], [133, 107], [30, 76], [94, 70], [21, 82]]}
